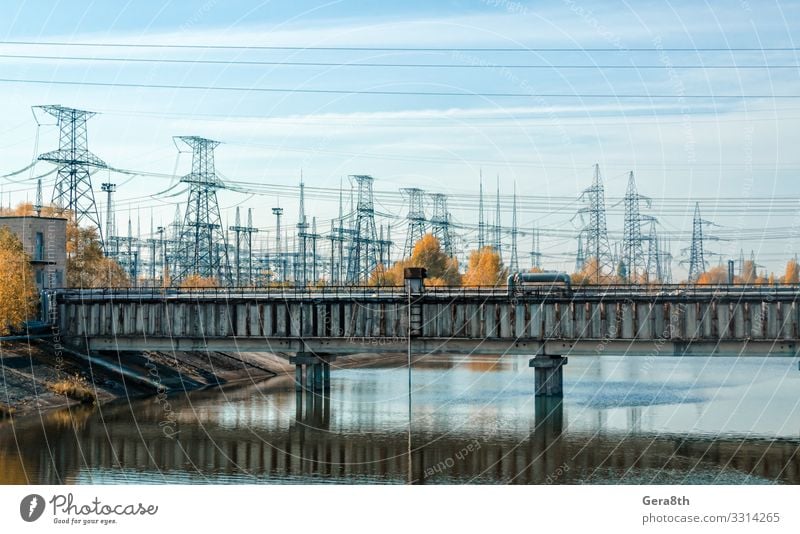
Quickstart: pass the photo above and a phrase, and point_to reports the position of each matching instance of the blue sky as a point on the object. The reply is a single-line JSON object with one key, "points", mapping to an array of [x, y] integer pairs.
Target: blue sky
{"points": [[677, 147]]}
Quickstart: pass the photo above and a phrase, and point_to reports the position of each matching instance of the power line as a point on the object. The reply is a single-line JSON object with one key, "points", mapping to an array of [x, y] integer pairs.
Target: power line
{"points": [[397, 49], [233, 88], [348, 64]]}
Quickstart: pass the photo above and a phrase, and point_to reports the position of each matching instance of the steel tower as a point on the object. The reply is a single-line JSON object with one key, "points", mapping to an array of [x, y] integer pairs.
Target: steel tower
{"points": [[73, 186], [364, 246], [203, 248], [595, 231], [440, 223], [632, 248], [415, 218]]}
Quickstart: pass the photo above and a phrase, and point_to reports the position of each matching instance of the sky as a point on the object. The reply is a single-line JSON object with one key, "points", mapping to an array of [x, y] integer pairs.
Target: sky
{"points": [[691, 125]]}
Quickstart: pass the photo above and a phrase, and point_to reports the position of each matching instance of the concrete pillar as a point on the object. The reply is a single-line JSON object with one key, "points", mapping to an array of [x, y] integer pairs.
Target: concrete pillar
{"points": [[519, 321], [659, 326], [723, 320], [627, 320], [644, 321], [566, 323], [307, 320], [772, 320], [317, 376], [390, 318], [268, 320], [336, 323], [254, 320], [280, 323], [505, 321], [298, 377], [676, 332], [309, 383], [326, 374], [461, 320], [692, 328], [787, 320], [550, 320], [548, 375], [738, 321], [581, 324], [596, 320], [473, 321], [756, 323], [536, 320], [706, 319], [612, 329], [295, 316]]}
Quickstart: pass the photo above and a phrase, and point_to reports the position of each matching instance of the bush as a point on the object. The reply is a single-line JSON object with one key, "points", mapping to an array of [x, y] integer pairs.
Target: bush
{"points": [[74, 387]]}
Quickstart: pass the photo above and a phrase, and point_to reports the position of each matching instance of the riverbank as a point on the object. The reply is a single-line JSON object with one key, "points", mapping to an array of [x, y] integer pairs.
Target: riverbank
{"points": [[39, 376]]}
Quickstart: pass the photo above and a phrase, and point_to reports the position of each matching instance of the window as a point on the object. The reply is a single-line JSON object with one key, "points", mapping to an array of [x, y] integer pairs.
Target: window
{"points": [[38, 251]]}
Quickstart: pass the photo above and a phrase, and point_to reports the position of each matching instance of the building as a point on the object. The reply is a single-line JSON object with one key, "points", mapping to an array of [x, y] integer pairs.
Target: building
{"points": [[45, 241]]}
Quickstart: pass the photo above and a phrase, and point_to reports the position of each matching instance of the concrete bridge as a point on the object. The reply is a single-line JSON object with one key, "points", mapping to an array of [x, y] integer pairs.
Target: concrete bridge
{"points": [[316, 325]]}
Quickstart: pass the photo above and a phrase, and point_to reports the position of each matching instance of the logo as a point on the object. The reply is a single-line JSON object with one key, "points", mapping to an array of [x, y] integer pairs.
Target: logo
{"points": [[31, 507]]}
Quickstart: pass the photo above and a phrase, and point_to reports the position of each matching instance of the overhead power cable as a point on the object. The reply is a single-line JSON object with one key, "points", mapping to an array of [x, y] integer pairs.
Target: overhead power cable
{"points": [[381, 92], [520, 49], [358, 64]]}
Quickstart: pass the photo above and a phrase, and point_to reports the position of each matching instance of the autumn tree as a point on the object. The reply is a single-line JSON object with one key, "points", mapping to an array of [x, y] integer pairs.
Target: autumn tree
{"points": [[792, 273], [427, 253], [715, 275], [592, 274], [485, 268], [197, 281], [18, 289], [87, 266], [749, 274]]}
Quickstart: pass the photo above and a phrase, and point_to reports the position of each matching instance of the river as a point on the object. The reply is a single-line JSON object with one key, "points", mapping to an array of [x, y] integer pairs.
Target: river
{"points": [[470, 420]]}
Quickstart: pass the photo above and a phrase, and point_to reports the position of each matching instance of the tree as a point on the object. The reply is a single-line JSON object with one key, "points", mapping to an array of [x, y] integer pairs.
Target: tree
{"points": [[715, 275], [592, 273], [792, 274], [18, 289], [87, 266], [427, 253], [195, 280], [749, 275], [485, 268]]}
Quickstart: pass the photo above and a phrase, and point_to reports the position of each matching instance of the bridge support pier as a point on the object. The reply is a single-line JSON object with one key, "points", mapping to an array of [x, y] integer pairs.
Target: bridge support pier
{"points": [[312, 371], [548, 375]]}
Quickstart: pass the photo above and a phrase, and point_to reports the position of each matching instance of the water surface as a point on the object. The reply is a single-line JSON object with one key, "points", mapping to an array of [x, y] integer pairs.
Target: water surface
{"points": [[471, 419]]}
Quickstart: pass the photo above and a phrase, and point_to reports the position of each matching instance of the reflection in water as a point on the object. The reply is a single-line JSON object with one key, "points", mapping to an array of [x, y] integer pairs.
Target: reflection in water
{"points": [[474, 420]]}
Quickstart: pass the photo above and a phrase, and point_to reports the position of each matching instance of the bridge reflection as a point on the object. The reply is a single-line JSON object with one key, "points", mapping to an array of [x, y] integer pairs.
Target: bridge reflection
{"points": [[224, 442]]}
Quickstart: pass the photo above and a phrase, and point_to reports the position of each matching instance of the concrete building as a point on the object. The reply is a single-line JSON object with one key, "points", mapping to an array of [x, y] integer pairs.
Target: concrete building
{"points": [[45, 240]]}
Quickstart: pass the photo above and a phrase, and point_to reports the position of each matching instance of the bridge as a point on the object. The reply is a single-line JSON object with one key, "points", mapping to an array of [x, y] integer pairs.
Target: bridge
{"points": [[313, 326]]}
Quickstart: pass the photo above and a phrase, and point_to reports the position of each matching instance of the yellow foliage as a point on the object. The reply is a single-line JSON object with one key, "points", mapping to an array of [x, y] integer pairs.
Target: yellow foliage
{"points": [[485, 268], [592, 274], [427, 253], [749, 275], [18, 289], [195, 280], [792, 274], [87, 266], [716, 275], [74, 387]]}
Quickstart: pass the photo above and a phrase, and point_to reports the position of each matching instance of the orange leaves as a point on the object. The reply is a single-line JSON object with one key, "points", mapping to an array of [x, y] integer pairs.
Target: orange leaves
{"points": [[485, 268], [195, 280], [18, 290], [427, 253]]}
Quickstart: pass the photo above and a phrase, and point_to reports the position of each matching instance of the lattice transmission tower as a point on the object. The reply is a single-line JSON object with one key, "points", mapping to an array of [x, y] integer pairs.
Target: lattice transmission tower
{"points": [[364, 245], [632, 240], [481, 221], [202, 246], [73, 186], [415, 218], [244, 247], [697, 262], [595, 231], [514, 263], [440, 223]]}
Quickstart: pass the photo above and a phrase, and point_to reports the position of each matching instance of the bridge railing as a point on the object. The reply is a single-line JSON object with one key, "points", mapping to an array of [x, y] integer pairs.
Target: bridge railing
{"points": [[617, 291]]}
